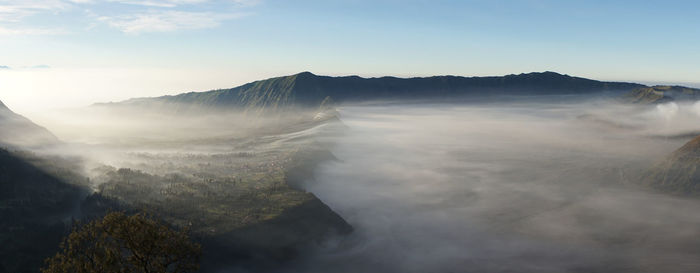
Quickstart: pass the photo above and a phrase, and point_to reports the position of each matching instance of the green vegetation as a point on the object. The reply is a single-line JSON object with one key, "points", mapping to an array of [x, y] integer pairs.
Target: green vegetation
{"points": [[240, 204], [121, 243], [237, 204], [232, 193], [210, 204]]}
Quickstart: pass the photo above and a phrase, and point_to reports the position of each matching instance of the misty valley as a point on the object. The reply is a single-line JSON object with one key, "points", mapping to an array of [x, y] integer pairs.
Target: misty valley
{"points": [[516, 187], [537, 172]]}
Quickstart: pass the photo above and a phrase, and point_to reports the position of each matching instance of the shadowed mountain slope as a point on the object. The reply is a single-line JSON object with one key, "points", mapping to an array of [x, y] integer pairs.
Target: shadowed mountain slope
{"points": [[34, 204], [19, 131], [309, 90]]}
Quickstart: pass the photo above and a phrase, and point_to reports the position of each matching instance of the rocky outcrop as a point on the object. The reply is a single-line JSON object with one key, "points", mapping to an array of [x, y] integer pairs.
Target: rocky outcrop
{"points": [[661, 94], [679, 172]]}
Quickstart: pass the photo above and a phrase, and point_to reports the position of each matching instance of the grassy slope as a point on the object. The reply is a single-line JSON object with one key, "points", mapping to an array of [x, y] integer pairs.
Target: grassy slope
{"points": [[679, 173], [661, 94]]}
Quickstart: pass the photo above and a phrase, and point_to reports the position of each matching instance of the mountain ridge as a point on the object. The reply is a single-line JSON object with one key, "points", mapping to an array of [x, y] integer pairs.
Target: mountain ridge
{"points": [[306, 89], [18, 130]]}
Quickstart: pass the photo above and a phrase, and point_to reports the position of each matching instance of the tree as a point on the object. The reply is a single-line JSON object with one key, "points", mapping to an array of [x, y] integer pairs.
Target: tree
{"points": [[124, 244]]}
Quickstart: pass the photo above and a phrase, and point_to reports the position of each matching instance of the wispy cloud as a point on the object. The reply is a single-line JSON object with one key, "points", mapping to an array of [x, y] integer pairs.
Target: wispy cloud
{"points": [[5, 31], [15, 11], [176, 3], [4, 67], [165, 21], [135, 16], [160, 3]]}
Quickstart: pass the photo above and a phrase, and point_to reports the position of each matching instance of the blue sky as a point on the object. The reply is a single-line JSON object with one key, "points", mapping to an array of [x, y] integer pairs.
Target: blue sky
{"points": [[63, 53]]}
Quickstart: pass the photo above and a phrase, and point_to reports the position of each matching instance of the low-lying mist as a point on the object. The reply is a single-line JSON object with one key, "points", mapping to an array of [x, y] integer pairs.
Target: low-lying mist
{"points": [[165, 142], [547, 184], [144, 125], [531, 186]]}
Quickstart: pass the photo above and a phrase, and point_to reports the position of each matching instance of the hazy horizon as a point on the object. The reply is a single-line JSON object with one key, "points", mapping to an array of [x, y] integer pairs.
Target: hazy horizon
{"points": [[27, 104], [67, 53]]}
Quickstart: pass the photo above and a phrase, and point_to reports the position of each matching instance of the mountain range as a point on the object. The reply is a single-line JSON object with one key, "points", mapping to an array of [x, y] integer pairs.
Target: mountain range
{"points": [[309, 90]]}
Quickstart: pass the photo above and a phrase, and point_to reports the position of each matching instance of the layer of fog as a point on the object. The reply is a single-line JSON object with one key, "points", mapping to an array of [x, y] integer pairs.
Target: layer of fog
{"points": [[539, 186], [517, 187], [163, 142], [144, 125]]}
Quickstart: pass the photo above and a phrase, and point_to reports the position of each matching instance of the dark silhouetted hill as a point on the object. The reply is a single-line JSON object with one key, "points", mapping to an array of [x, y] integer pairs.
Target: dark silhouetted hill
{"points": [[310, 90]]}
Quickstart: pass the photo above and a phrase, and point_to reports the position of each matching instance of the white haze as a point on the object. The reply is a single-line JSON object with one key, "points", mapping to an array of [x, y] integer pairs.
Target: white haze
{"points": [[517, 187], [544, 185], [164, 142]]}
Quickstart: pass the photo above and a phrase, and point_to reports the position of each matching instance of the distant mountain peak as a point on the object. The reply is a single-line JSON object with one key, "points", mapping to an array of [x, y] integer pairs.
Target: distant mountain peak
{"points": [[551, 73], [546, 74], [306, 74]]}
